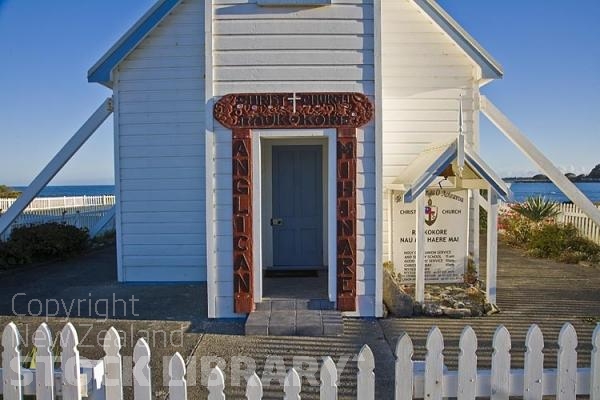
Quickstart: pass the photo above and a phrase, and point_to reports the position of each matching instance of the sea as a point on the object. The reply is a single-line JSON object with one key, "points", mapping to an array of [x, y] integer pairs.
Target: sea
{"points": [[73, 190], [521, 190]]}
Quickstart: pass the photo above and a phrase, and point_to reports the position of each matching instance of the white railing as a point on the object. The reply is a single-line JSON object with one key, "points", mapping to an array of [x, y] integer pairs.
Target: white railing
{"points": [[571, 214], [51, 203], [429, 379], [80, 211]]}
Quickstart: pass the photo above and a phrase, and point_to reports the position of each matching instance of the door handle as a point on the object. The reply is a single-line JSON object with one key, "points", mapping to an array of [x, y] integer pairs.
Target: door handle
{"points": [[276, 221]]}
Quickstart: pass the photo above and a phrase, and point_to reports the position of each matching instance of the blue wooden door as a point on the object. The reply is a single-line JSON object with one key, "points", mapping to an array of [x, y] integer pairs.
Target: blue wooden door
{"points": [[297, 219]]}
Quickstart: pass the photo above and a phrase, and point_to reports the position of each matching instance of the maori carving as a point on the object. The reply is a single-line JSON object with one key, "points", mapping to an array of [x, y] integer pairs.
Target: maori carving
{"points": [[346, 219], [293, 110], [343, 111], [242, 220]]}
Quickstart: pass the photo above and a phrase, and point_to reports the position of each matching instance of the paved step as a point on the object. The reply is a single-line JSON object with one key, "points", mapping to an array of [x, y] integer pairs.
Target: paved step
{"points": [[295, 317]]}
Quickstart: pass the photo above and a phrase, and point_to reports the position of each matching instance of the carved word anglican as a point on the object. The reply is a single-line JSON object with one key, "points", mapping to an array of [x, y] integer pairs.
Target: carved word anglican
{"points": [[242, 220]]}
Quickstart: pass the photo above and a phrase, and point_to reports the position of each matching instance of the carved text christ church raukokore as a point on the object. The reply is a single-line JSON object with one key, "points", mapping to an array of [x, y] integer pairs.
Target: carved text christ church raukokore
{"points": [[343, 111]]}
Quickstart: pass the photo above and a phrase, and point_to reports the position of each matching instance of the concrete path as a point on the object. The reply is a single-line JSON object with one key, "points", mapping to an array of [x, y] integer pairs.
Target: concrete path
{"points": [[174, 318]]}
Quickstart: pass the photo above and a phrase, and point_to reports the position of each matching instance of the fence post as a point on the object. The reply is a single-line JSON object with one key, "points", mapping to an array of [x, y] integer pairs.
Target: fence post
{"points": [[366, 377], [467, 365], [113, 373], [216, 384], [404, 368], [142, 387], [69, 363], [292, 386], [254, 389], [434, 365], [44, 376], [328, 380], [11, 364], [177, 382], [534, 364], [500, 379], [566, 381], [595, 365]]}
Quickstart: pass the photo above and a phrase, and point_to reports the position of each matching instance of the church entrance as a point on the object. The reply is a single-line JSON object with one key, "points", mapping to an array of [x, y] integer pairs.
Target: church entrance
{"points": [[250, 116]]}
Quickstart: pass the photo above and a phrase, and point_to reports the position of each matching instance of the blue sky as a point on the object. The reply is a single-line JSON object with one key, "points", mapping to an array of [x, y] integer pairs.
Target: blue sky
{"points": [[549, 50]]}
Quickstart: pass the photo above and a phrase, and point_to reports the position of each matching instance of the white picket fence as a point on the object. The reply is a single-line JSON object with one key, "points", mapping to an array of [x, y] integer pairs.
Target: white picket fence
{"points": [[571, 214], [80, 211], [103, 379], [66, 202]]}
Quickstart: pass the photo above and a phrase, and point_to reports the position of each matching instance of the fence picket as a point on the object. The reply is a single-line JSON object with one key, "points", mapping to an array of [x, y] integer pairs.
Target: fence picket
{"points": [[142, 386], [566, 382], [434, 365], [11, 364], [216, 384], [404, 368], [328, 380], [254, 389], [366, 377], [113, 373], [177, 381], [595, 365], [467, 365], [500, 379], [292, 385], [44, 377], [465, 383], [69, 363], [534, 364], [571, 214]]}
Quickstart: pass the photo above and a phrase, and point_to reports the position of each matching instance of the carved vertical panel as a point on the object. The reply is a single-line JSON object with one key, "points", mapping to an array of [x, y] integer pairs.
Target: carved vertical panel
{"points": [[242, 220], [346, 219]]}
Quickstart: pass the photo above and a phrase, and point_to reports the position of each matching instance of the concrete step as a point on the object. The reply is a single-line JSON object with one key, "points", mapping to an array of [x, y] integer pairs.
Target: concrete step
{"points": [[295, 317]]}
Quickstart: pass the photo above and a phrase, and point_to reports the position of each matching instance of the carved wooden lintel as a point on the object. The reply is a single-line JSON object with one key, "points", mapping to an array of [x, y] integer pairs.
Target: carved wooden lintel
{"points": [[293, 110]]}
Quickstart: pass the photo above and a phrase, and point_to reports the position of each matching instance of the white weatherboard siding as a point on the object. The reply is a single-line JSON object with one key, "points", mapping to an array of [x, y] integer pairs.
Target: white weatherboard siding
{"points": [[287, 49], [424, 72], [159, 89]]}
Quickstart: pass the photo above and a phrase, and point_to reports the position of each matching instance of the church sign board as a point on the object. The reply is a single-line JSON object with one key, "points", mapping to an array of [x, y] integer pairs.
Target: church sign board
{"points": [[446, 223]]}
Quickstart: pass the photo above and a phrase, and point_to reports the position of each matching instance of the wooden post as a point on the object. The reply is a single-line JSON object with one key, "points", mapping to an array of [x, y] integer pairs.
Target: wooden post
{"points": [[554, 174], [420, 250], [492, 246], [243, 284], [346, 219], [56, 164]]}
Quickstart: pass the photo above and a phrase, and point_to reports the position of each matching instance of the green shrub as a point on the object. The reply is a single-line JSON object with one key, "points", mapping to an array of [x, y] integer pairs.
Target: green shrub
{"points": [[43, 242], [482, 220], [7, 192], [537, 209], [563, 243], [517, 229]]}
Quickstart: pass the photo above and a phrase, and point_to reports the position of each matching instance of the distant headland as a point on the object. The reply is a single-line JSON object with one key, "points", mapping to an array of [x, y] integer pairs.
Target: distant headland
{"points": [[593, 176]]}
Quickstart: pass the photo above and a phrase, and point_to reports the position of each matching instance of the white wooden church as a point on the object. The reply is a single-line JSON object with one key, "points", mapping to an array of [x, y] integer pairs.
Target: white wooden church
{"points": [[329, 135]]}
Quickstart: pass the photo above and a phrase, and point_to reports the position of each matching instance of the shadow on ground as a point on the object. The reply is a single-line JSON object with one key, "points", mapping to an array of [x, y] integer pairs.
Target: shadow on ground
{"points": [[173, 318], [87, 287]]}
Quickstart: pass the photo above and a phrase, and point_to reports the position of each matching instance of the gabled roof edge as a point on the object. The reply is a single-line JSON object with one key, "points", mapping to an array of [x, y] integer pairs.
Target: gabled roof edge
{"points": [[487, 173], [101, 71], [435, 169], [491, 69]]}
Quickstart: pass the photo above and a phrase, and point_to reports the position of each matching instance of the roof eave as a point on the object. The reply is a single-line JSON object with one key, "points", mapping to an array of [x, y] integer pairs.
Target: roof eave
{"points": [[101, 72], [490, 68]]}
